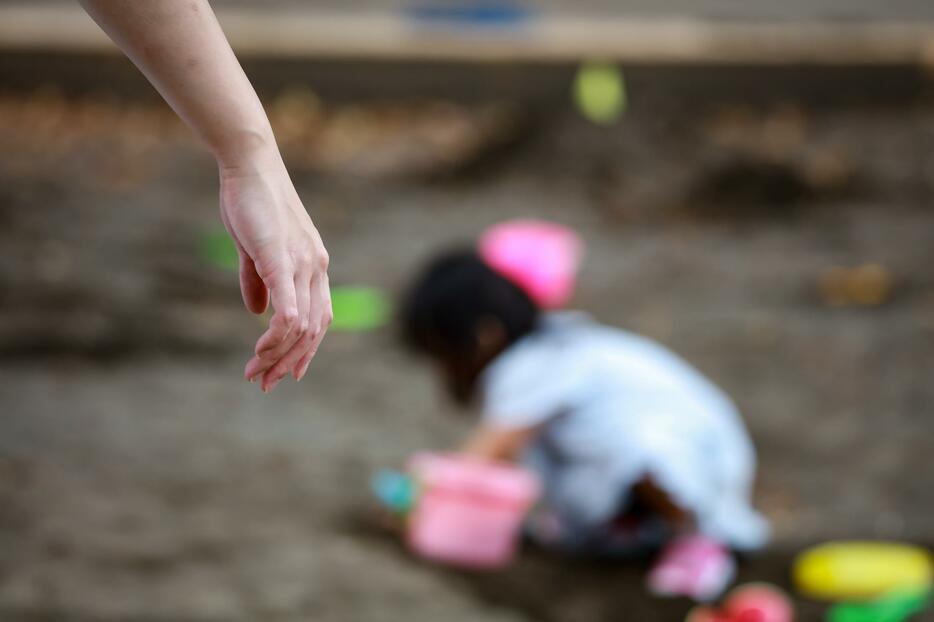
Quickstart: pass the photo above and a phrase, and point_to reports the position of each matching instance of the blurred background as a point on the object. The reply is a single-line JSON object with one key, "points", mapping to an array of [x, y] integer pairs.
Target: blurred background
{"points": [[754, 182]]}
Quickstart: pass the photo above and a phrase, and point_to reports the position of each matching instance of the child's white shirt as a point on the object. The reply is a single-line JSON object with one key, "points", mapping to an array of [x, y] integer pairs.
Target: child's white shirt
{"points": [[613, 407]]}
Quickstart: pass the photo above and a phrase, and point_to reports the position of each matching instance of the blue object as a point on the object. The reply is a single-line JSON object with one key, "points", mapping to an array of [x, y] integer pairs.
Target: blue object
{"points": [[397, 491], [471, 14]]}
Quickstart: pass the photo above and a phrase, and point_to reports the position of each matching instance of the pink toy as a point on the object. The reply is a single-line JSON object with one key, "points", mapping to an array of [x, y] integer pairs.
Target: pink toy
{"points": [[754, 602], [469, 512], [692, 566], [540, 257], [758, 602]]}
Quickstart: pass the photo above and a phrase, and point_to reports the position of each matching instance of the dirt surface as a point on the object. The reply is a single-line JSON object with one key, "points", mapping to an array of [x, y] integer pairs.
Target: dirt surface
{"points": [[786, 251]]}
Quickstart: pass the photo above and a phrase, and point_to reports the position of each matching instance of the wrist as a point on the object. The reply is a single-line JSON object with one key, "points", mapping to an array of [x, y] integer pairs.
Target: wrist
{"points": [[247, 152]]}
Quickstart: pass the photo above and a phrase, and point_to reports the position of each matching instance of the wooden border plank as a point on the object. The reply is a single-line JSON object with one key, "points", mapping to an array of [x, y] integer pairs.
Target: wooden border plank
{"points": [[335, 34]]}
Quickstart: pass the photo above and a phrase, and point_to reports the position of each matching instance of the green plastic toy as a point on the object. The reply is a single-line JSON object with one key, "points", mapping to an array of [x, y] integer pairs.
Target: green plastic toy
{"points": [[600, 92], [894, 607], [218, 249], [359, 308]]}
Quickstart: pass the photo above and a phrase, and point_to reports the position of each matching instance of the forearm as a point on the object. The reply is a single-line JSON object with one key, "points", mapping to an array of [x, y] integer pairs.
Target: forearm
{"points": [[182, 50], [497, 445]]}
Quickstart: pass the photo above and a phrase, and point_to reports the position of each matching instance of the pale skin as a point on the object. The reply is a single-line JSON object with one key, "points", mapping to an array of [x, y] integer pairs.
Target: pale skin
{"points": [[182, 50], [496, 444]]}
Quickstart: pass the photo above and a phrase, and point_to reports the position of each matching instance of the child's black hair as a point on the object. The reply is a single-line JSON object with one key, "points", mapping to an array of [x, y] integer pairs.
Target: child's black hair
{"points": [[457, 292]]}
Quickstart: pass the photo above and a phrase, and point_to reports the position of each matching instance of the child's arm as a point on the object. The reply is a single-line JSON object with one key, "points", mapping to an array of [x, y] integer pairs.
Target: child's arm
{"points": [[498, 444]]}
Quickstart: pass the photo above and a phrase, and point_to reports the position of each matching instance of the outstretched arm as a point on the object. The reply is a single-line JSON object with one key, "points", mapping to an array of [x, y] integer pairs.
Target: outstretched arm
{"points": [[182, 50], [496, 444]]}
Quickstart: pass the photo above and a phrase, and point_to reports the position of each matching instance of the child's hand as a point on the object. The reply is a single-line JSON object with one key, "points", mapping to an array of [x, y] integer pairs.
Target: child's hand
{"points": [[282, 260]]}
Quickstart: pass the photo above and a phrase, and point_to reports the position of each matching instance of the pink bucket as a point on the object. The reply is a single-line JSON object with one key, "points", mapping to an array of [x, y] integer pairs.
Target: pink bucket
{"points": [[469, 512]]}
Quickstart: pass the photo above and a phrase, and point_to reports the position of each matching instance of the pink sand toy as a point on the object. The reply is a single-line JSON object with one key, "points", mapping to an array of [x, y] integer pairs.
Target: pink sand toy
{"points": [[469, 512], [753, 602], [540, 257], [692, 566]]}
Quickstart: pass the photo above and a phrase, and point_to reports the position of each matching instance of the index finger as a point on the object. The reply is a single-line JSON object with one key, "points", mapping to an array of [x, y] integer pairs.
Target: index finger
{"points": [[283, 325]]}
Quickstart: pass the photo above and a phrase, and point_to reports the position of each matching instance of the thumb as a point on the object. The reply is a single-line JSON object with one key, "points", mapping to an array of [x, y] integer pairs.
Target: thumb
{"points": [[255, 294]]}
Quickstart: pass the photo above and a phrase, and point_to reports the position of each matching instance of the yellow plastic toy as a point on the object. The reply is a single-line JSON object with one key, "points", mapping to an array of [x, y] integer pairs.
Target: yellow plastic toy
{"points": [[862, 570]]}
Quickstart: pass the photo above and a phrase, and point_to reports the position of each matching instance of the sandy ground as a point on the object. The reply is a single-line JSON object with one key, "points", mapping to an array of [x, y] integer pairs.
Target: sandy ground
{"points": [[142, 479]]}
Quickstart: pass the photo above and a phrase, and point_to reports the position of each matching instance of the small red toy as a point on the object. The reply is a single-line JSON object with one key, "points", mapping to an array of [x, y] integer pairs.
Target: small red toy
{"points": [[753, 602]]}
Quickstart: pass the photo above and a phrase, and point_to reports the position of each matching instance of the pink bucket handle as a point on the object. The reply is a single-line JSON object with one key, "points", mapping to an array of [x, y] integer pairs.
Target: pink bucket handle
{"points": [[540, 257], [500, 483]]}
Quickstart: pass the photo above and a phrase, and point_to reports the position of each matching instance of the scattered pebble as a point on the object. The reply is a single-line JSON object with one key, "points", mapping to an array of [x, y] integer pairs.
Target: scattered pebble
{"points": [[866, 285]]}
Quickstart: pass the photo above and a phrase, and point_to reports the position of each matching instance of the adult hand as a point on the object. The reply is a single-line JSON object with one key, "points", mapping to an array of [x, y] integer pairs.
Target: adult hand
{"points": [[282, 260], [181, 49]]}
